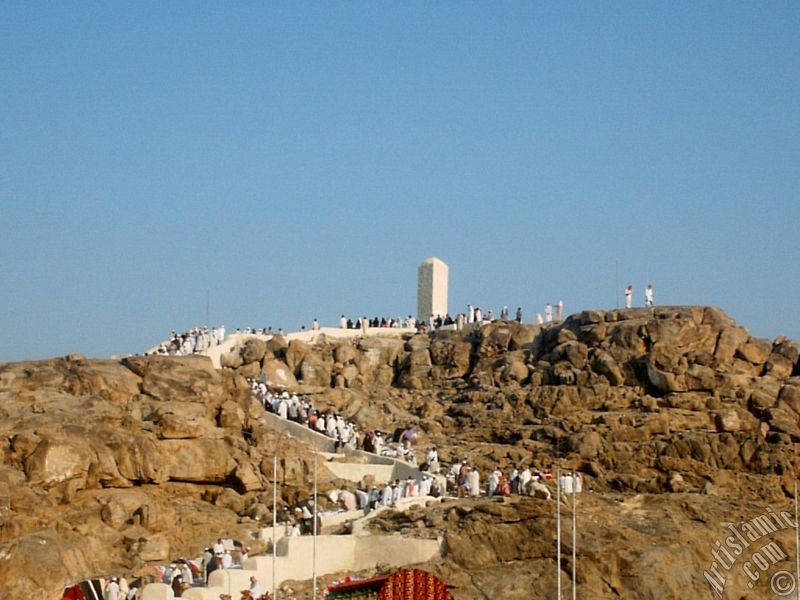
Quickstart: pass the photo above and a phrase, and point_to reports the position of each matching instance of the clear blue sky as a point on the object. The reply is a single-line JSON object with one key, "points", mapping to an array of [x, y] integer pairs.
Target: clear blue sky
{"points": [[299, 160]]}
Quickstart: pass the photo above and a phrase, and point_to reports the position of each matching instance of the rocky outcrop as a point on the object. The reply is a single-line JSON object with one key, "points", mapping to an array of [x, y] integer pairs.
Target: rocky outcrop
{"points": [[114, 464], [107, 465]]}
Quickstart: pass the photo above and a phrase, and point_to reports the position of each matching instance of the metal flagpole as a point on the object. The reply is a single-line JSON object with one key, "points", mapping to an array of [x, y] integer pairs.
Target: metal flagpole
{"points": [[796, 543], [574, 535], [558, 529], [314, 552], [208, 304], [274, 516], [616, 283]]}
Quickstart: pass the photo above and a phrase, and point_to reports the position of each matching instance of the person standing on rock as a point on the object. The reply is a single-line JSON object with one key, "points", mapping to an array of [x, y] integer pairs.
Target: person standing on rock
{"points": [[397, 492], [548, 313], [474, 482], [648, 295], [524, 477], [470, 314], [629, 296], [494, 480], [432, 458], [386, 495], [462, 480], [518, 316], [283, 407]]}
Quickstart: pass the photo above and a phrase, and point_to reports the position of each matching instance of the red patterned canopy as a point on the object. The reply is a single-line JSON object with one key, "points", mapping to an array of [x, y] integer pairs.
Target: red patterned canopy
{"points": [[413, 584]]}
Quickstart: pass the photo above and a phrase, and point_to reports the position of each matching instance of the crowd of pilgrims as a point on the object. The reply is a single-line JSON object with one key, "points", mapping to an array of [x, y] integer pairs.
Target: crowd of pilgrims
{"points": [[343, 432], [462, 477], [195, 341], [199, 339], [395, 322]]}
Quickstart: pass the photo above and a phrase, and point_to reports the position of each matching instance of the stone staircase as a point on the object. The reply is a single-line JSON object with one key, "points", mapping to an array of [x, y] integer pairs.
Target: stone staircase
{"points": [[294, 557]]}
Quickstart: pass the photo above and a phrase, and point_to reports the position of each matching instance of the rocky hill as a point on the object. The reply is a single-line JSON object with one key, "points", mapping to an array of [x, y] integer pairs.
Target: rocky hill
{"points": [[679, 420]]}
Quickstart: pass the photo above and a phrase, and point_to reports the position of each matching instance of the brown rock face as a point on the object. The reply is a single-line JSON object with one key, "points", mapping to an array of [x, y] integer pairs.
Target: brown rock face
{"points": [[113, 467], [678, 420]]}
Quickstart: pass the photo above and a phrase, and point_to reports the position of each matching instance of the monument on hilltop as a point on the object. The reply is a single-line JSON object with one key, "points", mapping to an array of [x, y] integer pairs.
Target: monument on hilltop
{"points": [[431, 289]]}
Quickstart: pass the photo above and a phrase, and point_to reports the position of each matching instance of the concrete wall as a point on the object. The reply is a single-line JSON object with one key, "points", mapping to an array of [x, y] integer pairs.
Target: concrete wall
{"points": [[356, 472], [233, 581], [394, 550], [207, 593], [157, 591], [300, 432], [294, 561]]}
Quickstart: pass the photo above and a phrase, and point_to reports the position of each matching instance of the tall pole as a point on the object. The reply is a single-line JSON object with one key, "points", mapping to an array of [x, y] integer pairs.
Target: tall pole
{"points": [[796, 543], [274, 516], [208, 304], [616, 283], [574, 535], [314, 551], [558, 528]]}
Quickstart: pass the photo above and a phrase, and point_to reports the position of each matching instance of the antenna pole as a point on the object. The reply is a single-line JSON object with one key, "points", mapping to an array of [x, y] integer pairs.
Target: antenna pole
{"points": [[274, 516], [796, 543], [558, 528], [574, 535], [314, 558], [208, 305]]}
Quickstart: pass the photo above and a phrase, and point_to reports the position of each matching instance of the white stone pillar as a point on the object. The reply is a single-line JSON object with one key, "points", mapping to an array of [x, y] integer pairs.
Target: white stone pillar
{"points": [[431, 289]]}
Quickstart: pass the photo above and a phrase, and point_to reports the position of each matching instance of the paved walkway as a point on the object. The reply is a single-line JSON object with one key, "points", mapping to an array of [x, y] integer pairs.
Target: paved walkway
{"points": [[295, 557]]}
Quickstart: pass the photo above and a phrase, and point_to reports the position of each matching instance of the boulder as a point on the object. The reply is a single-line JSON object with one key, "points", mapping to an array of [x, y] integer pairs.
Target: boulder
{"points": [[664, 382], [604, 364], [247, 477], [251, 370], [754, 351], [501, 336], [296, 352], [452, 356], [698, 377], [176, 427], [790, 395], [276, 346], [314, 371], [278, 374], [778, 366], [728, 341], [345, 353], [510, 368], [57, 459], [385, 350], [200, 460], [231, 359], [253, 350], [181, 379], [728, 421], [153, 548]]}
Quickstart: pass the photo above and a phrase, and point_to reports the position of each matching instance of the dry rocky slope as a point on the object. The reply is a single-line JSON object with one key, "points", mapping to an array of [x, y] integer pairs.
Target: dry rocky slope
{"points": [[679, 420]]}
